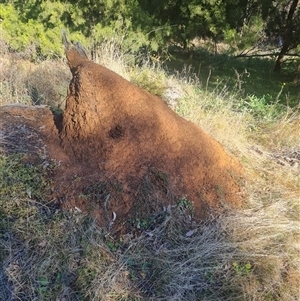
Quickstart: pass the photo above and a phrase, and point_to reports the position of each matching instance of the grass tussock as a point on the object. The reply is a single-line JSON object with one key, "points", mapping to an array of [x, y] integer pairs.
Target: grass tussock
{"points": [[13, 78], [110, 55], [27, 83], [150, 77], [232, 257], [248, 254]]}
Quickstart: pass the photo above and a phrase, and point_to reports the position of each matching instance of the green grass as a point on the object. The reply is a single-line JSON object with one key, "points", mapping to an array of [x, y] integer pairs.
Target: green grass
{"points": [[47, 253], [252, 77]]}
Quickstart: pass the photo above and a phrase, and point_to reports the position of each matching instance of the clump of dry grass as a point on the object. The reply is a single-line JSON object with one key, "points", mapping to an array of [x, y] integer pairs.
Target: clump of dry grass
{"points": [[247, 255], [110, 55], [48, 82], [151, 77], [27, 83], [13, 77]]}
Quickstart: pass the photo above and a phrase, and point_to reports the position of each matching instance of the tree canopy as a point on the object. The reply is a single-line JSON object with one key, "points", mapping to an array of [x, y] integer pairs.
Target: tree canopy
{"points": [[151, 23]]}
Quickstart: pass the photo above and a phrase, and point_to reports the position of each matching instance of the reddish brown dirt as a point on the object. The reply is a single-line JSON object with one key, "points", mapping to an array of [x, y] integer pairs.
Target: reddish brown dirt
{"points": [[29, 129], [124, 150], [118, 130]]}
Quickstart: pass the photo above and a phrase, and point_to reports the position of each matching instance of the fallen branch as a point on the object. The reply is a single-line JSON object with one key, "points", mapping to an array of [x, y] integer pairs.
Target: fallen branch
{"points": [[265, 54]]}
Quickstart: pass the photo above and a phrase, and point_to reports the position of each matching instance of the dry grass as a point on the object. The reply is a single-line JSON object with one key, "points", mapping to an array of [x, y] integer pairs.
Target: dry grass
{"points": [[266, 235], [27, 83], [12, 81], [240, 256], [109, 54], [48, 83], [250, 254], [151, 77]]}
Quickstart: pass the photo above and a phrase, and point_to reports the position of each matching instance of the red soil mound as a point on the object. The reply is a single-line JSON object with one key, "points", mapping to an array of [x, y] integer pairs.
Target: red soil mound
{"points": [[122, 151], [124, 137]]}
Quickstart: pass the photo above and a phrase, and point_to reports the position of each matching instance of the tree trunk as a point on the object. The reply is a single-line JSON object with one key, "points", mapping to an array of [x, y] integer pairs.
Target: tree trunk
{"points": [[287, 36], [280, 57]]}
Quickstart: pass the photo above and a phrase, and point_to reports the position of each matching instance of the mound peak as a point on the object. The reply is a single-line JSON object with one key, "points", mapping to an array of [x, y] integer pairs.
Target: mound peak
{"points": [[75, 53]]}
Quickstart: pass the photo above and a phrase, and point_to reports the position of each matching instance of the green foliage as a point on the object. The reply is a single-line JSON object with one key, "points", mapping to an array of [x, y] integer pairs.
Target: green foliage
{"points": [[250, 34], [121, 31], [185, 205], [281, 20], [21, 34], [260, 108], [182, 21], [39, 26], [147, 25]]}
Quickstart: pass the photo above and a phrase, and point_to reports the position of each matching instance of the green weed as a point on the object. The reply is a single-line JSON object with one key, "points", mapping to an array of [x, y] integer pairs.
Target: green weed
{"points": [[185, 205], [261, 108], [242, 269]]}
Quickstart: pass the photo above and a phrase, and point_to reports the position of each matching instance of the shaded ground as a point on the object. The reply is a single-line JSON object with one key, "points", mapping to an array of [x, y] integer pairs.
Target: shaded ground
{"points": [[247, 76]]}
